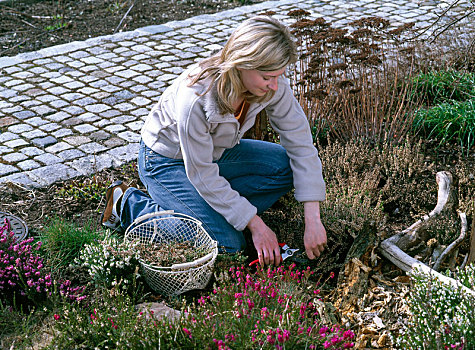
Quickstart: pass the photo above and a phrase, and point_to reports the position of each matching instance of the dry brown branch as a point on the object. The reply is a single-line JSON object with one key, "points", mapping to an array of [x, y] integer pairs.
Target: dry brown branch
{"points": [[454, 244], [390, 248], [471, 256]]}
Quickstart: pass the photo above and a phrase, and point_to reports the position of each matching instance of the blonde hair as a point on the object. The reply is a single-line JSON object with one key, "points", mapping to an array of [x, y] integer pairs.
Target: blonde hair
{"points": [[261, 43]]}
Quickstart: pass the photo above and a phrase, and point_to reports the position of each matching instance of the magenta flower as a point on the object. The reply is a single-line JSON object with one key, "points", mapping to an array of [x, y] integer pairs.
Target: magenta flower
{"points": [[187, 332]]}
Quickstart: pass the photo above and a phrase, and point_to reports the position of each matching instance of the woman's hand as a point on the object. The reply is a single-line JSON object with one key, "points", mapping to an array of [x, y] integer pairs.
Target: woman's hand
{"points": [[265, 241], [315, 236]]}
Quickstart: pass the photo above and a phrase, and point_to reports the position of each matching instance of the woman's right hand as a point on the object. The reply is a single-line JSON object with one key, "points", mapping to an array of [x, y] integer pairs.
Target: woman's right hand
{"points": [[265, 241]]}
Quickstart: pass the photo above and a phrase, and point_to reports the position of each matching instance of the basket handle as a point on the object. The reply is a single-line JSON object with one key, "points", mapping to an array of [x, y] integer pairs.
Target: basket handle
{"points": [[193, 263], [149, 215]]}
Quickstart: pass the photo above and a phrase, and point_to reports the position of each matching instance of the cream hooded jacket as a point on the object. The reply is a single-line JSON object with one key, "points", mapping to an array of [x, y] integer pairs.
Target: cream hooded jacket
{"points": [[184, 125]]}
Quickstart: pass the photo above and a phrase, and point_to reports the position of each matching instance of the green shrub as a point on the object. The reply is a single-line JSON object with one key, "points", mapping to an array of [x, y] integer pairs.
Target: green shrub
{"points": [[440, 86], [442, 317], [449, 122]]}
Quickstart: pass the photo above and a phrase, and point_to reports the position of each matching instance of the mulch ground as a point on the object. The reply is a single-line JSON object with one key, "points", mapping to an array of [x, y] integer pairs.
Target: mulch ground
{"points": [[30, 25]]}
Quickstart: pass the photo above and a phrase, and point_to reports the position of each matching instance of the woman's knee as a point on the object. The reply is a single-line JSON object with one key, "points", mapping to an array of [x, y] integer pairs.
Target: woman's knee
{"points": [[231, 244]]}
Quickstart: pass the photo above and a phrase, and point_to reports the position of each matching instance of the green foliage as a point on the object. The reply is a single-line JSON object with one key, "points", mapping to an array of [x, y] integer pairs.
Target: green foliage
{"points": [[442, 316], [449, 122], [116, 6], [57, 25], [14, 322], [444, 85], [63, 240], [89, 188]]}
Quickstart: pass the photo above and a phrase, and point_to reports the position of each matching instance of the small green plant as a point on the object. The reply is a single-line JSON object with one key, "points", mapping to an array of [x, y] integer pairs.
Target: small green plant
{"points": [[110, 262], [443, 317], [117, 6], [14, 322], [57, 25], [444, 85], [63, 240], [89, 188], [449, 122]]}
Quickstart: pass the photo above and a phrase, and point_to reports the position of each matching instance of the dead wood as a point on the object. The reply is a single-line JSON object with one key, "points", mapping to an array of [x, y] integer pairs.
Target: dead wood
{"points": [[471, 256], [454, 245], [410, 236], [391, 247]]}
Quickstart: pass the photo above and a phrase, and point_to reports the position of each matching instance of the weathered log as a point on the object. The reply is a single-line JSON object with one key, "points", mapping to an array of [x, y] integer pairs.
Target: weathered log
{"points": [[454, 244], [391, 249], [409, 236], [471, 255]]}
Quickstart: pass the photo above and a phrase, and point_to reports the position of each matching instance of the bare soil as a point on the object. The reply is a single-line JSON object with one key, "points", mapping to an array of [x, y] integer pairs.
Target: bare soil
{"points": [[30, 25]]}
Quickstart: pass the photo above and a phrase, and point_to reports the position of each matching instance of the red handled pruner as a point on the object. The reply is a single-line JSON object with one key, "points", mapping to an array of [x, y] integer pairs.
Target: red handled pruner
{"points": [[285, 252]]}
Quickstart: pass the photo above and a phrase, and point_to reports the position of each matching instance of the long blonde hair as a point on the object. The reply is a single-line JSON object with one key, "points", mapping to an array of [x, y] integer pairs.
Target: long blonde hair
{"points": [[262, 43]]}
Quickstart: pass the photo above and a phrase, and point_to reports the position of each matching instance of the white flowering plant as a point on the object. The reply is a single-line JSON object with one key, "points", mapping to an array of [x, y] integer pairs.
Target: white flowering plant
{"points": [[110, 262], [442, 317]]}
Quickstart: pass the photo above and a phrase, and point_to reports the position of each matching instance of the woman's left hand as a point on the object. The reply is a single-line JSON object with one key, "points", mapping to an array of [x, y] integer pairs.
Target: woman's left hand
{"points": [[315, 236]]}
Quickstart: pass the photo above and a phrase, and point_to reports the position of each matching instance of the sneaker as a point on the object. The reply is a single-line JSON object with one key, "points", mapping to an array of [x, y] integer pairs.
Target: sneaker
{"points": [[111, 218]]}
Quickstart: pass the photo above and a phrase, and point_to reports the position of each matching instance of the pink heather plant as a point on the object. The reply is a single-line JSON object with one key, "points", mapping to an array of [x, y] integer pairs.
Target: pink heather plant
{"points": [[268, 310], [273, 309], [22, 273]]}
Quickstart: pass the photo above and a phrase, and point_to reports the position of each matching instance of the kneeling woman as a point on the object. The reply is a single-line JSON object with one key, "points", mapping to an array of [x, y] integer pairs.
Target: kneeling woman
{"points": [[194, 161]]}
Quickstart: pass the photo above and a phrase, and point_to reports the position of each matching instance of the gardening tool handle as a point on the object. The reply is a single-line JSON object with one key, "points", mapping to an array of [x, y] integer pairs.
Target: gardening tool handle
{"points": [[257, 260], [197, 262]]}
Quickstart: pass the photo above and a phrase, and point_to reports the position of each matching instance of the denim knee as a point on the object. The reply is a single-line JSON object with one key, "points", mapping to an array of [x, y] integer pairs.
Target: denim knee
{"points": [[232, 245]]}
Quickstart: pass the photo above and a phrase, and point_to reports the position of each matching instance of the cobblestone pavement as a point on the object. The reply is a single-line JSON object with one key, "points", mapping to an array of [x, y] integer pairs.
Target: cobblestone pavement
{"points": [[77, 108]]}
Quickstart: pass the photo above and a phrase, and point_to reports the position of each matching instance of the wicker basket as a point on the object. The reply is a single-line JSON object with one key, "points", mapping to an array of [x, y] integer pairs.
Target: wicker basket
{"points": [[168, 227]]}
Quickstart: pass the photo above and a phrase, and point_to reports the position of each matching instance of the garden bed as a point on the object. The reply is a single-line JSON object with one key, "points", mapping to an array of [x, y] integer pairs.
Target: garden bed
{"points": [[376, 187]]}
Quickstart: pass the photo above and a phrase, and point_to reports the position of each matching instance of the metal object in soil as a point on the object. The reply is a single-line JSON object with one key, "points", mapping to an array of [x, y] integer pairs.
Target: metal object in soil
{"points": [[17, 225]]}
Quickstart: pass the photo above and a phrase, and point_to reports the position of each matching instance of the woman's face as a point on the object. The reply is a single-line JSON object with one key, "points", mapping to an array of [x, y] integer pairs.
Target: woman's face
{"points": [[259, 82]]}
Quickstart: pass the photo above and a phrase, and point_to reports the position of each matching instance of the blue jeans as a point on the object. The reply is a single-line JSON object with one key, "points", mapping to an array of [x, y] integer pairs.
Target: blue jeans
{"points": [[258, 170]]}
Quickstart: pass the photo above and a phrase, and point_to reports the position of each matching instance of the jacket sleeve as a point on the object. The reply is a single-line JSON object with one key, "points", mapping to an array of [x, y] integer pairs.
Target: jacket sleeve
{"points": [[289, 121], [197, 150]]}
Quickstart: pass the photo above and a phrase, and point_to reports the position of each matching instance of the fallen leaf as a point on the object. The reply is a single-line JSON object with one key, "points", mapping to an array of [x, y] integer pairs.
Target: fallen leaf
{"points": [[378, 322]]}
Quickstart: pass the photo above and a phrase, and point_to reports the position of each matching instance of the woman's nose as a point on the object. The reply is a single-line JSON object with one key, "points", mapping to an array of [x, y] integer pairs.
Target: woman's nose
{"points": [[273, 84]]}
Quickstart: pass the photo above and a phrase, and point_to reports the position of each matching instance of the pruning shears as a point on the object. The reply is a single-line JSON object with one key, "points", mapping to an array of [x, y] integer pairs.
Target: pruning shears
{"points": [[285, 252]]}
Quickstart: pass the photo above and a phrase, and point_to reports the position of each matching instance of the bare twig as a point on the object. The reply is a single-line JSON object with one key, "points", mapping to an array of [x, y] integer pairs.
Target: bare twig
{"points": [[438, 19], [454, 244], [123, 18], [451, 24], [28, 23]]}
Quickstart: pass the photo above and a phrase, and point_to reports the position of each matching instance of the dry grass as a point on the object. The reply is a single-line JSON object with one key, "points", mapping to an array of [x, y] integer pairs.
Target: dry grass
{"points": [[356, 84]]}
